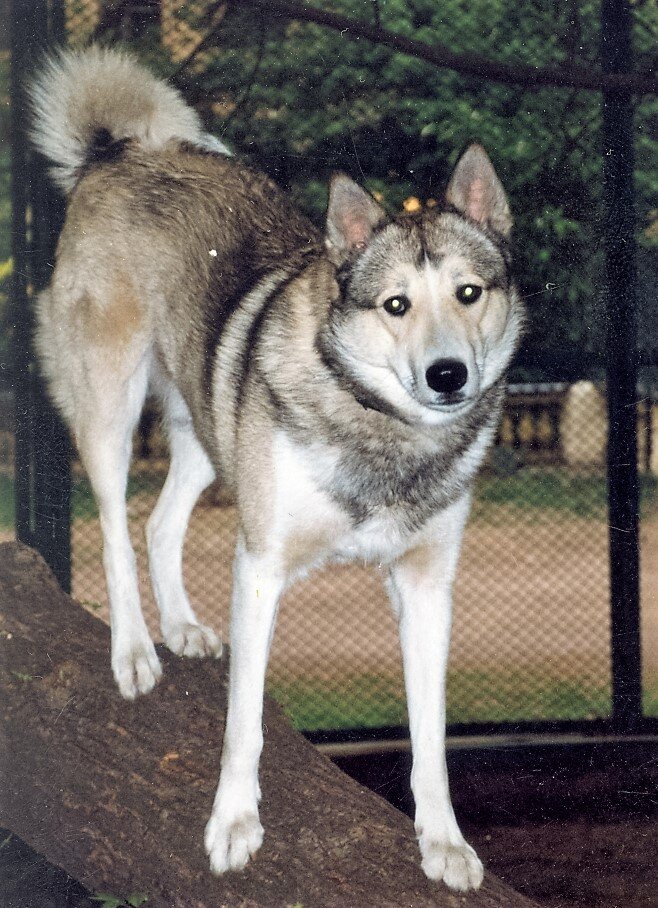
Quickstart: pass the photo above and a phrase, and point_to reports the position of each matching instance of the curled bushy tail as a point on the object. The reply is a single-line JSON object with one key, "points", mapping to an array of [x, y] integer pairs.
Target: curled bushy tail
{"points": [[83, 100]]}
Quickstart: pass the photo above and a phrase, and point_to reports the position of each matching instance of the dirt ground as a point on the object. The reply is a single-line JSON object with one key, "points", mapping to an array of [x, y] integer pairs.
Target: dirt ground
{"points": [[532, 593], [568, 826], [569, 836], [532, 625]]}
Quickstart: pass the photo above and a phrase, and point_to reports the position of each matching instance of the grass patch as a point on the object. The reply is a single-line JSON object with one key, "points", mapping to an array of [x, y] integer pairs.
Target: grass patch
{"points": [[534, 490], [369, 701], [530, 493], [524, 696], [650, 698], [362, 701], [83, 506], [107, 900], [7, 509]]}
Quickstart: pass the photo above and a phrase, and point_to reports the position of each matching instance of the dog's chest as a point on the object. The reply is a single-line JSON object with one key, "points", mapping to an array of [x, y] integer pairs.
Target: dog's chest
{"points": [[400, 485], [329, 510]]}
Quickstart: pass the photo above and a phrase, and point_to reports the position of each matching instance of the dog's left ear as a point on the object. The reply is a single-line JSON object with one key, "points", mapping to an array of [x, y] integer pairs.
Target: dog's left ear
{"points": [[475, 189], [352, 216]]}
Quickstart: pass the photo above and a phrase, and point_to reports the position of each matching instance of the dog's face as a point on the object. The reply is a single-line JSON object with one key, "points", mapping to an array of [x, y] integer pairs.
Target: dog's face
{"points": [[427, 318]]}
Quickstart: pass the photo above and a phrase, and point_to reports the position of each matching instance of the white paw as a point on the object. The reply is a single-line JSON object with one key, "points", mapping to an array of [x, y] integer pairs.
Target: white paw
{"points": [[232, 841], [188, 639], [457, 865], [136, 669]]}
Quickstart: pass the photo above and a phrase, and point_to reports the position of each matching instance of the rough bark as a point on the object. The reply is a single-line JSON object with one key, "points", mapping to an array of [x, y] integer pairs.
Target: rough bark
{"points": [[118, 793]]}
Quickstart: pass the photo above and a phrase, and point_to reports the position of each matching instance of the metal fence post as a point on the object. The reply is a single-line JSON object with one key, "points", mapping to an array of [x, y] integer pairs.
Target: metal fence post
{"points": [[20, 31], [42, 470], [622, 366]]}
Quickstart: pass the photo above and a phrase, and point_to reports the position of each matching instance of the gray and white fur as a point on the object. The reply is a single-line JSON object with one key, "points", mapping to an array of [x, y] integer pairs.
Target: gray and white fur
{"points": [[345, 387]]}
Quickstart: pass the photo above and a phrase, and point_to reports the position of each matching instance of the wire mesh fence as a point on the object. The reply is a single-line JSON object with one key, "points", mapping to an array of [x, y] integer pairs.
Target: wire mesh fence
{"points": [[531, 637]]}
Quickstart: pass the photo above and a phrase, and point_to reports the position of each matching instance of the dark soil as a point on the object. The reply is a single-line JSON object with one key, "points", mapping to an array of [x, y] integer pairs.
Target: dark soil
{"points": [[569, 827], [566, 840]]}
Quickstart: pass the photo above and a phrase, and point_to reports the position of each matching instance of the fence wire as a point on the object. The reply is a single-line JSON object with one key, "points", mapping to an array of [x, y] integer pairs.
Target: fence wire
{"points": [[531, 636]]}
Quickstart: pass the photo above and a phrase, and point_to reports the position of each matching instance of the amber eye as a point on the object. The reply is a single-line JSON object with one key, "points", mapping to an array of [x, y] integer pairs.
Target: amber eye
{"points": [[397, 305], [468, 293]]}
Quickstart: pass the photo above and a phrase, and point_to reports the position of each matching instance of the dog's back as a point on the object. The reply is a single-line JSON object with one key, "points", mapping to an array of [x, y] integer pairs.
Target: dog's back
{"points": [[165, 232]]}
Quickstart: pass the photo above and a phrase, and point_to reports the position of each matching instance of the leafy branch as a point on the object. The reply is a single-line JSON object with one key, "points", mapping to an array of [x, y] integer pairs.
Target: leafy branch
{"points": [[567, 75]]}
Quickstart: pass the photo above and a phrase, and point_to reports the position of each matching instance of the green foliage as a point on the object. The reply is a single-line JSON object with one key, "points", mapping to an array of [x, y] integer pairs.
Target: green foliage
{"points": [[107, 900], [317, 101], [310, 101], [302, 101]]}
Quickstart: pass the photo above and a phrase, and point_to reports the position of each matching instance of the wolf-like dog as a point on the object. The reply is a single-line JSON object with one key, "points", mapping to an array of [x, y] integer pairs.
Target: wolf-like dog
{"points": [[345, 386]]}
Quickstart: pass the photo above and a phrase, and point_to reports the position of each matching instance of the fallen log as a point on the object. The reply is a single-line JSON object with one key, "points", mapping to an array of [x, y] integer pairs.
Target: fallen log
{"points": [[117, 793]]}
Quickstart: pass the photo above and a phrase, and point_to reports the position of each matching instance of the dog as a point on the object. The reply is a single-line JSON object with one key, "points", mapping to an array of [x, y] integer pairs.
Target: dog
{"points": [[345, 386]]}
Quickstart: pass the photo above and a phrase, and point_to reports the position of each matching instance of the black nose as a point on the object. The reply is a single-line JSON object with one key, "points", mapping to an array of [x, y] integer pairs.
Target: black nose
{"points": [[447, 375]]}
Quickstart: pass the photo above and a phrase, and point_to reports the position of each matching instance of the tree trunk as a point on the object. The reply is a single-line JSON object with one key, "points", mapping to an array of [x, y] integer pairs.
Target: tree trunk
{"points": [[118, 793]]}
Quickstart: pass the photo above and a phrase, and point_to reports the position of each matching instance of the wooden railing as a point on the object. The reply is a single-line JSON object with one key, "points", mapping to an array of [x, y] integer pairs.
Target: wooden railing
{"points": [[531, 421]]}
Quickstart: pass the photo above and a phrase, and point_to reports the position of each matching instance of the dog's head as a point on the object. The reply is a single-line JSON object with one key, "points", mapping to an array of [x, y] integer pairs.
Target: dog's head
{"points": [[427, 317]]}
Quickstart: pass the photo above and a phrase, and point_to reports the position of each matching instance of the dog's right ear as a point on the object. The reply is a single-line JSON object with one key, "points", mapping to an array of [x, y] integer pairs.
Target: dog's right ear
{"points": [[475, 189], [352, 216]]}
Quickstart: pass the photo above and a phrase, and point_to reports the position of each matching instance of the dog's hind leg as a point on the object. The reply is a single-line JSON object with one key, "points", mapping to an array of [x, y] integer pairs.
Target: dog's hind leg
{"points": [[189, 474], [104, 425], [420, 587]]}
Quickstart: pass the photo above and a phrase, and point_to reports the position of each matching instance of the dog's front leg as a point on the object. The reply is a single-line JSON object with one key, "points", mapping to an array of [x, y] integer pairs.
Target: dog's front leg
{"points": [[421, 590], [234, 832]]}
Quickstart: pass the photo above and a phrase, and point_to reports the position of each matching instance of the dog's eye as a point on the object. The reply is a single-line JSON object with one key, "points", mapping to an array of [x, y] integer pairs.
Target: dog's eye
{"points": [[468, 293], [397, 305]]}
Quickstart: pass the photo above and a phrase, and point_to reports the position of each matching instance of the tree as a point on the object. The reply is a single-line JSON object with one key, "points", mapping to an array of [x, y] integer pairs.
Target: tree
{"points": [[302, 100], [118, 793]]}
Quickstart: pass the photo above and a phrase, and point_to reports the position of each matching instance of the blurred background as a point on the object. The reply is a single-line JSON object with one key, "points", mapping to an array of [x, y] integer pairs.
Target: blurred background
{"points": [[532, 634]]}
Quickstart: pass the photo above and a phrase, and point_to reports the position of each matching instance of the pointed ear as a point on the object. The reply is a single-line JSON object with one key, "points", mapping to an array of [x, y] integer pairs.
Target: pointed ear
{"points": [[475, 190], [352, 216]]}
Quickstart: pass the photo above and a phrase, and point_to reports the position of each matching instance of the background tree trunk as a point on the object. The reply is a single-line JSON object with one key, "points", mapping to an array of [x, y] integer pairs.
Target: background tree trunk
{"points": [[118, 793]]}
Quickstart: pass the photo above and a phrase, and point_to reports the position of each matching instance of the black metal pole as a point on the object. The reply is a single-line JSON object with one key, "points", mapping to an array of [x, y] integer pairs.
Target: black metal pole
{"points": [[43, 484], [622, 367], [21, 30]]}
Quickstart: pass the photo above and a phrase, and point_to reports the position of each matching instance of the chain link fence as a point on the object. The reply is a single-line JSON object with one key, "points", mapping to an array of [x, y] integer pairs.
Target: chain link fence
{"points": [[531, 638]]}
